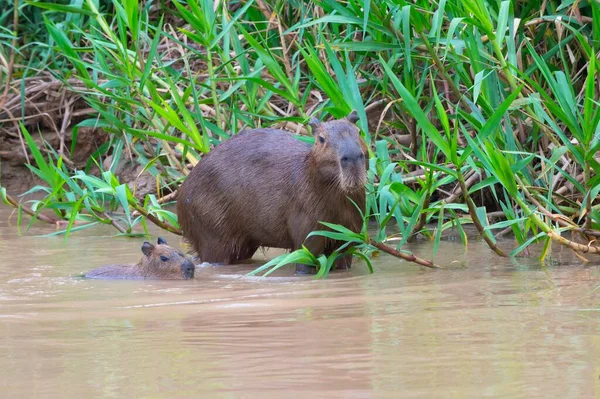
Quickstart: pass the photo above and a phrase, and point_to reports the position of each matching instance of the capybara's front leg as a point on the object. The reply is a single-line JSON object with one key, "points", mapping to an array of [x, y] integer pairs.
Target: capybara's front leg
{"points": [[316, 245], [343, 263], [304, 269]]}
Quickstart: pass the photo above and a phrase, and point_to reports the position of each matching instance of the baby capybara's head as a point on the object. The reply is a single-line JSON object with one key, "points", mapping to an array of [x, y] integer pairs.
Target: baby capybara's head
{"points": [[165, 262], [340, 154]]}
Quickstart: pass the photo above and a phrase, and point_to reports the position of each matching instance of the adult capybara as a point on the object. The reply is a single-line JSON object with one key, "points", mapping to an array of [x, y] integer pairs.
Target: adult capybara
{"points": [[159, 262], [264, 187]]}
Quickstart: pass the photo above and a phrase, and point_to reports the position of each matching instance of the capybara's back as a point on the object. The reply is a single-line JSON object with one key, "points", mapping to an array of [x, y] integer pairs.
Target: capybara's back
{"points": [[264, 187]]}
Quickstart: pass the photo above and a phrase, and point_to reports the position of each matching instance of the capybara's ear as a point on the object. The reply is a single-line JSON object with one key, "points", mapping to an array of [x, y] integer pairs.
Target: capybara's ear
{"points": [[353, 117], [162, 241], [147, 248], [314, 124]]}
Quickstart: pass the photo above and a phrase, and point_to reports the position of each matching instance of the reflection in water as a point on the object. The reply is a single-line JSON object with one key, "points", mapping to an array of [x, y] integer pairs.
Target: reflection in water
{"points": [[493, 328]]}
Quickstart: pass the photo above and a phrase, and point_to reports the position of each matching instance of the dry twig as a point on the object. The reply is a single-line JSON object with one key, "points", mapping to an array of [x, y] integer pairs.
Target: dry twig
{"points": [[398, 254]]}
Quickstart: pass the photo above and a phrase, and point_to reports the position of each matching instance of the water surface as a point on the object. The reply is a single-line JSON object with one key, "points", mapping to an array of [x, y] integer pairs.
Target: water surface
{"points": [[484, 327]]}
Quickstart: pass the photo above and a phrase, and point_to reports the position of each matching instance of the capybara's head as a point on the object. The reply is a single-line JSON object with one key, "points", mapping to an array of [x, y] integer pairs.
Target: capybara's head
{"points": [[165, 262], [339, 153]]}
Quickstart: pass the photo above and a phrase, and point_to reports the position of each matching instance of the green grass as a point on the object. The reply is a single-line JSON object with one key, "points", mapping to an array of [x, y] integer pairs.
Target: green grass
{"points": [[499, 100]]}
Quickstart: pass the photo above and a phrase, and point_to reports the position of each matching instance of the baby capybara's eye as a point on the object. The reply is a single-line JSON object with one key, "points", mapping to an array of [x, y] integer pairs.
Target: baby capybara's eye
{"points": [[164, 258]]}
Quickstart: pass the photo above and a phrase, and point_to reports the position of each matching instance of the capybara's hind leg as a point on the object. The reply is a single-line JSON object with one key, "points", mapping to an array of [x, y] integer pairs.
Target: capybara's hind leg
{"points": [[245, 251], [343, 263], [216, 251]]}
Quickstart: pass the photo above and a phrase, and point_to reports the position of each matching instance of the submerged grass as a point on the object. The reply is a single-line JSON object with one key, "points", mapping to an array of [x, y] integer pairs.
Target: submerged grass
{"points": [[476, 112]]}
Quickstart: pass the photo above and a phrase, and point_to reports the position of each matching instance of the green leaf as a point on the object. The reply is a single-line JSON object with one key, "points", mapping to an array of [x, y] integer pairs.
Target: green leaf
{"points": [[70, 230], [4, 196], [53, 7], [271, 64], [493, 124], [339, 19], [131, 8], [527, 243], [327, 83], [335, 236], [414, 108], [590, 110], [66, 48], [500, 167], [122, 196], [225, 30], [366, 9], [502, 22], [438, 230], [74, 213], [365, 45], [46, 172], [366, 259]]}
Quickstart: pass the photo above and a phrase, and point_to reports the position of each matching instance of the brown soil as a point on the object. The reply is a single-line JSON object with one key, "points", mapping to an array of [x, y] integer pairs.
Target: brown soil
{"points": [[16, 177], [51, 111]]}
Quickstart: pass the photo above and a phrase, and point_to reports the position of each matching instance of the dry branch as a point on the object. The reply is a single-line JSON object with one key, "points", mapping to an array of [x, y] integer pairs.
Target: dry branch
{"points": [[401, 255], [40, 216]]}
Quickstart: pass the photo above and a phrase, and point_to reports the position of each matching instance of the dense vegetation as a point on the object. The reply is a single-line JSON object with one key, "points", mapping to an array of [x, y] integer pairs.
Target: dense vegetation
{"points": [[476, 112]]}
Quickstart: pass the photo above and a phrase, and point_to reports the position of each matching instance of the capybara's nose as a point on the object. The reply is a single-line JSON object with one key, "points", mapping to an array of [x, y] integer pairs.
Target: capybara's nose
{"points": [[352, 157], [188, 269]]}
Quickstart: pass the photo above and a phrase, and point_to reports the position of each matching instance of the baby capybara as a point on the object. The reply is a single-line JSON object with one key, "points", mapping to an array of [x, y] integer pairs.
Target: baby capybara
{"points": [[264, 187], [160, 262]]}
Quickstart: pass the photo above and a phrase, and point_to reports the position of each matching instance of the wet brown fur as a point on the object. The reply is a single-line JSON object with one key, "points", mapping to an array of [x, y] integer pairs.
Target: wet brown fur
{"points": [[264, 187], [176, 267]]}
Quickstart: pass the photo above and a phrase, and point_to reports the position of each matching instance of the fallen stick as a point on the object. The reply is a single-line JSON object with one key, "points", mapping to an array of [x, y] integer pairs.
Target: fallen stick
{"points": [[398, 254], [40, 216]]}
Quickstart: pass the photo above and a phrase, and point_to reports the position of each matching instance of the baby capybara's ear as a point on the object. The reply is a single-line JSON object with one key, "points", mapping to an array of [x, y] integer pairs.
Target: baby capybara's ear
{"points": [[314, 124], [162, 241], [353, 117], [147, 248]]}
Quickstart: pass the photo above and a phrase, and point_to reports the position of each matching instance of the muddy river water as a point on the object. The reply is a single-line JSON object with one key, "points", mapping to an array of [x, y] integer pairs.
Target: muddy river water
{"points": [[484, 327]]}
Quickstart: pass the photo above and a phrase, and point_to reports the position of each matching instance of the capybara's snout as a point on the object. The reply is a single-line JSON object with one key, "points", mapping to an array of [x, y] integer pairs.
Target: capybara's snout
{"points": [[188, 269]]}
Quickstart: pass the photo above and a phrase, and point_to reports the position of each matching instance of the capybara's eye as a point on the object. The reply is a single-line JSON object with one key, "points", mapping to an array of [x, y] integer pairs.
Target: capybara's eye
{"points": [[164, 258], [321, 139]]}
